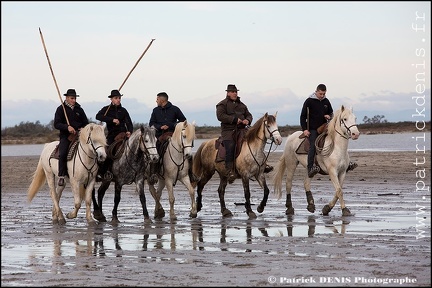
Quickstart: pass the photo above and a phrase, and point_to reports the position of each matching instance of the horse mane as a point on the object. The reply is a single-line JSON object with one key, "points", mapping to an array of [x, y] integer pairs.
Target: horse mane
{"points": [[97, 131], [188, 126], [253, 131]]}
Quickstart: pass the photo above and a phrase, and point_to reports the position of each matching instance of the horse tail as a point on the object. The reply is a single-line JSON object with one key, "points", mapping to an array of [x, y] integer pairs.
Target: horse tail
{"points": [[197, 162], [38, 179], [278, 175]]}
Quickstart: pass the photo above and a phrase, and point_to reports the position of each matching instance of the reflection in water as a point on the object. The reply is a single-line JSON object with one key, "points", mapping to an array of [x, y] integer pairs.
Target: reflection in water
{"points": [[310, 222], [106, 240]]}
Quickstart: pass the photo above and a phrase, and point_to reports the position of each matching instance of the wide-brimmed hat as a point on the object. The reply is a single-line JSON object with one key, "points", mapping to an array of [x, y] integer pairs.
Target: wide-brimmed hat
{"points": [[71, 92], [231, 87], [115, 93]]}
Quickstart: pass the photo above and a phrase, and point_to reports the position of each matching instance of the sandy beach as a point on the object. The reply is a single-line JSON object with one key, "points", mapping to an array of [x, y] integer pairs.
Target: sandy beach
{"points": [[386, 242]]}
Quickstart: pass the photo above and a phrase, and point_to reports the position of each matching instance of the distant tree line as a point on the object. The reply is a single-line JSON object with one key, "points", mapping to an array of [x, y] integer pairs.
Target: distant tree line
{"points": [[374, 119]]}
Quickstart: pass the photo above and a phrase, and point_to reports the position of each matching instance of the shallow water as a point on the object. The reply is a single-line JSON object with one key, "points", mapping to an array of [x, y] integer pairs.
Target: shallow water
{"points": [[376, 142]]}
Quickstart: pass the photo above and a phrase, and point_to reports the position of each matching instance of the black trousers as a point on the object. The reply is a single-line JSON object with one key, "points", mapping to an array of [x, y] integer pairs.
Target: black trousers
{"points": [[63, 151], [311, 153], [229, 150]]}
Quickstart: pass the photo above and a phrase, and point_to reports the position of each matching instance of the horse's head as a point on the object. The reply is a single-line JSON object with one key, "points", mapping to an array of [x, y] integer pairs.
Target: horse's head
{"points": [[185, 133], [271, 129], [347, 121], [148, 143], [93, 135]]}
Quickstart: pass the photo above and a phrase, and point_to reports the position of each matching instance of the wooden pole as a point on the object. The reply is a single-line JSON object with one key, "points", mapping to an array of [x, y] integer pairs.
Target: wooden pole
{"points": [[136, 63], [121, 86], [52, 73]]}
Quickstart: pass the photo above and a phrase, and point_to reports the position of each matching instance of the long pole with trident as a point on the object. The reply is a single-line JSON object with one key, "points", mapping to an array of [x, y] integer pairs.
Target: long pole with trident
{"points": [[52, 73], [139, 59]]}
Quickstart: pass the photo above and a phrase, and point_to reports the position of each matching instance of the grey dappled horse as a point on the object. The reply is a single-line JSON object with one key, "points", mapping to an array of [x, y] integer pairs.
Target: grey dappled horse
{"points": [[132, 166]]}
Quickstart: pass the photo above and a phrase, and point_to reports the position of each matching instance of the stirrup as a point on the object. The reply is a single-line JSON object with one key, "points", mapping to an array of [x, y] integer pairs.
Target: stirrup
{"points": [[108, 176], [268, 169], [351, 166], [314, 170]]}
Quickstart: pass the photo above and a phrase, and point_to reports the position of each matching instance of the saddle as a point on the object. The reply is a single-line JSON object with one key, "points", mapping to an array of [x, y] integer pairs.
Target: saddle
{"points": [[71, 150], [321, 129], [304, 146], [115, 149], [163, 140], [221, 152]]}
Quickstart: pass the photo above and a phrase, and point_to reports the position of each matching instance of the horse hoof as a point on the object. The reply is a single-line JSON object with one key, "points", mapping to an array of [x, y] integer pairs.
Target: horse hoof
{"points": [[148, 221], [326, 210], [226, 213], [252, 215], [193, 215], [260, 209], [289, 211], [346, 212], [115, 221], [311, 208], [99, 216]]}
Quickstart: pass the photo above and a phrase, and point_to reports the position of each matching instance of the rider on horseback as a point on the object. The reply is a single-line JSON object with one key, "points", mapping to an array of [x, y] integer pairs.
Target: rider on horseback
{"points": [[234, 116], [117, 121], [164, 118]]}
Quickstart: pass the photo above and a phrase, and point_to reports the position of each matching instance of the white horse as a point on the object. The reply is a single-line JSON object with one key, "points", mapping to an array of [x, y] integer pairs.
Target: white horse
{"points": [[82, 170], [332, 158], [175, 167]]}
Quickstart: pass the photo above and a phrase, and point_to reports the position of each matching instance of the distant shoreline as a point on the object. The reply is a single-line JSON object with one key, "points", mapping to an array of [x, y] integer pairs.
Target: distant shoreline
{"points": [[208, 132]]}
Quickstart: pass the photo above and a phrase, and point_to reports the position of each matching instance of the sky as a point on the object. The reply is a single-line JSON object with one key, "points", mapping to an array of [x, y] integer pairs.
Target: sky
{"points": [[373, 57]]}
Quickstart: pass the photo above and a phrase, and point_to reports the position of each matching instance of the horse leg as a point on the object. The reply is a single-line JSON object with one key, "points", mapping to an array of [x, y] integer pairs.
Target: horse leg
{"points": [[193, 213], [97, 209], [200, 187], [288, 186], [140, 190], [338, 195], [246, 189], [221, 191], [117, 198], [263, 203], [159, 212], [88, 202], [57, 214], [171, 199], [309, 197], [77, 199]]}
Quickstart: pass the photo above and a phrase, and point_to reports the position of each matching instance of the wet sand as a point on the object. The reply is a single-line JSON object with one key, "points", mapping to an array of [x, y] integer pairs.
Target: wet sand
{"points": [[386, 242]]}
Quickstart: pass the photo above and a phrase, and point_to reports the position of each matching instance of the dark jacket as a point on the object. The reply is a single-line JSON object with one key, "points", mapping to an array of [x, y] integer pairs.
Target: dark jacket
{"points": [[77, 119], [169, 115], [317, 110], [115, 112], [228, 112]]}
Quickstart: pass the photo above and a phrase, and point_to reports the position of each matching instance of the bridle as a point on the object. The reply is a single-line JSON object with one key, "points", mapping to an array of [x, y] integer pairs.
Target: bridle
{"points": [[146, 152], [92, 157], [180, 151], [348, 130], [271, 137]]}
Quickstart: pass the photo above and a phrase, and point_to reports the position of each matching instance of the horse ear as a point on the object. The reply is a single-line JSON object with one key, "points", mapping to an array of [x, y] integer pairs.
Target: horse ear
{"points": [[185, 123], [275, 114], [342, 108]]}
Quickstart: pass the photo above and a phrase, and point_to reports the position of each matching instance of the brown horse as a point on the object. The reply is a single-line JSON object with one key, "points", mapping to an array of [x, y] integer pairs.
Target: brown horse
{"points": [[250, 162]]}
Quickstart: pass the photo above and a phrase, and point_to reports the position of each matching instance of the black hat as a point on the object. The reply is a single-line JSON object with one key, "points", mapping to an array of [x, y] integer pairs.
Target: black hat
{"points": [[231, 87], [115, 93], [71, 92]]}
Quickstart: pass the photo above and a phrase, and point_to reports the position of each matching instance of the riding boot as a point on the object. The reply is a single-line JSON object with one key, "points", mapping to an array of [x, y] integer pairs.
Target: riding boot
{"points": [[192, 177], [230, 172]]}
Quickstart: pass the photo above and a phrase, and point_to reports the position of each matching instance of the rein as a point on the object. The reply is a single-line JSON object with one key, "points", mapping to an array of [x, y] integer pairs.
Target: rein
{"points": [[180, 151], [265, 127], [89, 170], [145, 151]]}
